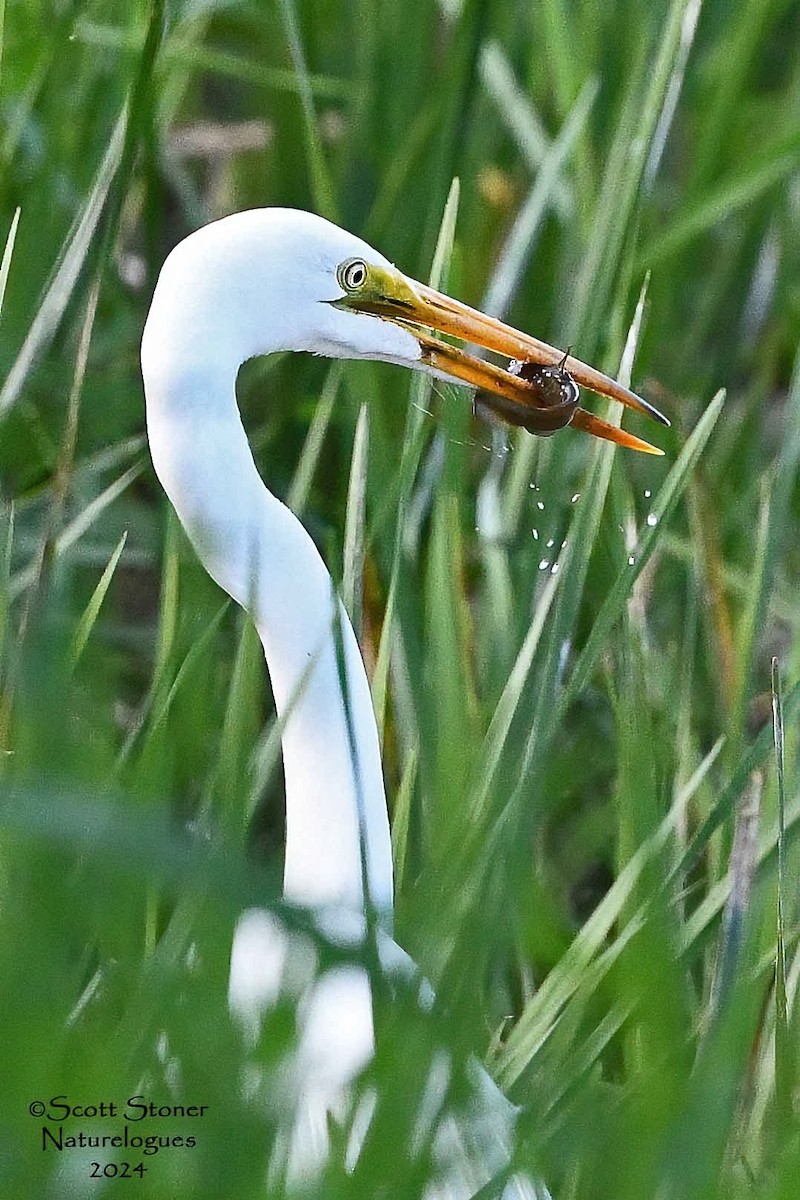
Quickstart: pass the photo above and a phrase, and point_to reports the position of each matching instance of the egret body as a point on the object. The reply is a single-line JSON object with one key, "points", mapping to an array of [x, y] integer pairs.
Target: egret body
{"points": [[251, 284]]}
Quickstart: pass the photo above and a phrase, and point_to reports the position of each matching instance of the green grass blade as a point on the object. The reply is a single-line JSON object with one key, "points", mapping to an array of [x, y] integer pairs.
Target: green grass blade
{"points": [[521, 118], [509, 702], [646, 96], [101, 213], [176, 52], [185, 674], [240, 729], [5, 265], [519, 244], [702, 921], [321, 183], [66, 274], [741, 872], [727, 199], [309, 458], [421, 388], [401, 820], [749, 762], [671, 491], [92, 611], [542, 1012], [750, 625], [784, 1051], [7, 511], [354, 548], [75, 530]]}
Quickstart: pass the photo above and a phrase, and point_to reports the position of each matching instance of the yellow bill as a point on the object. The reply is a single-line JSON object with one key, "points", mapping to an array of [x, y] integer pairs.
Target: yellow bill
{"points": [[417, 307]]}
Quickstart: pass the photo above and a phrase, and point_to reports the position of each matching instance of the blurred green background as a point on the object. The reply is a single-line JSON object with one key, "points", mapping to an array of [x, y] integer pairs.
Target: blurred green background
{"points": [[570, 646]]}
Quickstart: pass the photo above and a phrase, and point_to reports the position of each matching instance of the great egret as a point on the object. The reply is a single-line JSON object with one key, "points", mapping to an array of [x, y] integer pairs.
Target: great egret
{"points": [[247, 285]]}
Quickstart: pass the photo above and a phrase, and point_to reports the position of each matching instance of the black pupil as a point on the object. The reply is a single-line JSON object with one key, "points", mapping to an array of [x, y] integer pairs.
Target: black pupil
{"points": [[356, 275]]}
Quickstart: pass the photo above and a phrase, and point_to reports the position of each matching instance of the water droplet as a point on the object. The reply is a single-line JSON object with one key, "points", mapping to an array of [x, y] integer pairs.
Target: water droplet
{"points": [[631, 560], [652, 519], [544, 564], [540, 505], [576, 498], [550, 542], [535, 533], [554, 568], [647, 493]]}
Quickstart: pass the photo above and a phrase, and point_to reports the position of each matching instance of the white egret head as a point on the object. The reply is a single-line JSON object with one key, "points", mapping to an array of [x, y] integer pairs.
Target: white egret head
{"points": [[282, 279]]}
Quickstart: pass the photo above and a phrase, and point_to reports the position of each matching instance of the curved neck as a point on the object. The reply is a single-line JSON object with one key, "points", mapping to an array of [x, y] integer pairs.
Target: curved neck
{"points": [[261, 555]]}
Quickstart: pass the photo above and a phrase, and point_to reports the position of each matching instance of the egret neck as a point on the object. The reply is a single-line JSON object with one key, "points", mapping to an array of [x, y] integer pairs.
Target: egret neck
{"points": [[260, 554]]}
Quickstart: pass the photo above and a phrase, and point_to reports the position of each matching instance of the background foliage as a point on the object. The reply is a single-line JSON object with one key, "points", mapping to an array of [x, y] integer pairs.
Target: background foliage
{"points": [[570, 647]]}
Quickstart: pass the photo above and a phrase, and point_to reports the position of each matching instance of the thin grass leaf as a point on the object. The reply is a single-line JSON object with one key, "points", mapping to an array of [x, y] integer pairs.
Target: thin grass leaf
{"points": [[266, 762], [671, 491], [65, 276], [321, 182], [240, 728], [401, 819], [541, 1013], [212, 61], [741, 871], [515, 106], [169, 601], [168, 618], [7, 511], [447, 661], [702, 920], [190, 664], [685, 752], [490, 754], [519, 244], [420, 391], [5, 265], [90, 614], [645, 102], [673, 91], [72, 533], [749, 628], [573, 564], [312, 446], [783, 1045], [354, 548], [560, 30], [749, 762], [727, 199]]}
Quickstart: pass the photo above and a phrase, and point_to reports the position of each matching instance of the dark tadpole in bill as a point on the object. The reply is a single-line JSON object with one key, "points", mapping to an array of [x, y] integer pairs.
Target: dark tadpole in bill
{"points": [[554, 397], [543, 397], [555, 389]]}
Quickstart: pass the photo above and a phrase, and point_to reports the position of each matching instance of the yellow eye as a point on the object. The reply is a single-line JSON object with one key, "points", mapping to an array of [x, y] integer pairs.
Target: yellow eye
{"points": [[352, 274]]}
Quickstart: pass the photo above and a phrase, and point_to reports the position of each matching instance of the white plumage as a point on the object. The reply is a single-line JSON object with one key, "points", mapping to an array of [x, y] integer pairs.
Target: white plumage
{"points": [[248, 285]]}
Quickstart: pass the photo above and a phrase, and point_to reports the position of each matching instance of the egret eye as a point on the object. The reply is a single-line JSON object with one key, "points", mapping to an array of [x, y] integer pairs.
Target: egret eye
{"points": [[352, 274]]}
